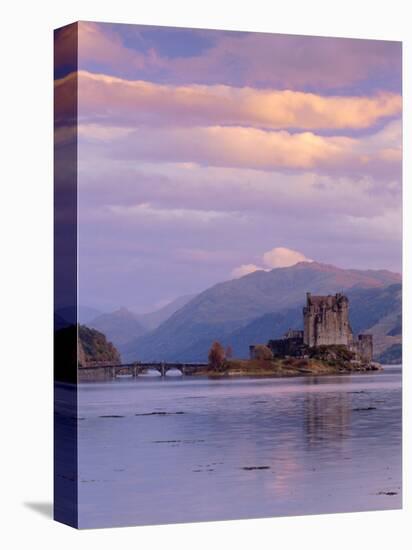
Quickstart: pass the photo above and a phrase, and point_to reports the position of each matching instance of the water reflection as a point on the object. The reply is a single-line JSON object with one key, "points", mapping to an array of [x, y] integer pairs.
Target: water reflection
{"points": [[327, 415], [185, 450]]}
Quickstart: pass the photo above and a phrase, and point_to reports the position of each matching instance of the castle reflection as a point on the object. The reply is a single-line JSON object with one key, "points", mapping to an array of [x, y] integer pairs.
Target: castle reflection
{"points": [[327, 415]]}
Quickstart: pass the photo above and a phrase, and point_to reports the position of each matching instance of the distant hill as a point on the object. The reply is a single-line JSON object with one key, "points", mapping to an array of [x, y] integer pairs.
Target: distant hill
{"points": [[234, 311], [262, 329], [368, 307], [155, 318], [392, 355], [84, 314], [120, 326], [379, 312]]}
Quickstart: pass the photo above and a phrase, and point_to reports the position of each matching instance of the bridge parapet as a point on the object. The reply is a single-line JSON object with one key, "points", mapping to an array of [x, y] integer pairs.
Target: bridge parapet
{"points": [[110, 370]]}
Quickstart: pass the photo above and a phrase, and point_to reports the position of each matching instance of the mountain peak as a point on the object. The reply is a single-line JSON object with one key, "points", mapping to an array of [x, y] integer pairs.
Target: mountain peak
{"points": [[124, 312]]}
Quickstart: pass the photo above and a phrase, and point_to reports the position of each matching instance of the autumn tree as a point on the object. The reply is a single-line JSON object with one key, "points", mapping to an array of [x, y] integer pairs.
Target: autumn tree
{"points": [[216, 355], [229, 352], [262, 352]]}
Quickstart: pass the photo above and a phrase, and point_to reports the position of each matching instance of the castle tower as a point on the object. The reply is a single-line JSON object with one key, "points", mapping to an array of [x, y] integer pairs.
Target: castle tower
{"points": [[364, 347], [326, 321]]}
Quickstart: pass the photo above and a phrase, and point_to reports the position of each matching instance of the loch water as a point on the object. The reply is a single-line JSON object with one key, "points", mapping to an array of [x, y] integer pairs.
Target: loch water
{"points": [[184, 449]]}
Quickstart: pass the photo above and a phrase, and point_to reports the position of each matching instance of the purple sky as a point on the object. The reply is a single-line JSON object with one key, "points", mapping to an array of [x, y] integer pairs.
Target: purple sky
{"points": [[204, 155]]}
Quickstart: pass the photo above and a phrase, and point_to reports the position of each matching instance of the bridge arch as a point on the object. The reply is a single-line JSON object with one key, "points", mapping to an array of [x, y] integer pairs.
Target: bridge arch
{"points": [[112, 370]]}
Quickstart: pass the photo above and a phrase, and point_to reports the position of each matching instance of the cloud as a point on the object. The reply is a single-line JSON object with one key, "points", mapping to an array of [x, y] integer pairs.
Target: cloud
{"points": [[277, 257], [147, 213], [293, 61], [117, 101], [252, 193], [283, 257], [186, 169], [244, 269], [101, 44], [241, 147], [241, 58]]}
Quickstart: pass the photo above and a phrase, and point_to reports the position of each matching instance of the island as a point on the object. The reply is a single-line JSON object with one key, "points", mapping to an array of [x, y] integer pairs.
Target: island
{"points": [[326, 345], [322, 360]]}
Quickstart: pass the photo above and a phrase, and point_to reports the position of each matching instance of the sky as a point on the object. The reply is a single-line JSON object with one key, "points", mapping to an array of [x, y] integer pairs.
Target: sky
{"points": [[204, 155]]}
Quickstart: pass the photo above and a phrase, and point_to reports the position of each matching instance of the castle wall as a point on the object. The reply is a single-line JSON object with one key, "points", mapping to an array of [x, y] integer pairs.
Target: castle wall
{"points": [[287, 346], [363, 347], [326, 321], [308, 326]]}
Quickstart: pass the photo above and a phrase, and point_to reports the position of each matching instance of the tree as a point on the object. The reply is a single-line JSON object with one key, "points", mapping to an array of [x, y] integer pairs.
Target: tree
{"points": [[262, 352], [229, 352], [216, 355]]}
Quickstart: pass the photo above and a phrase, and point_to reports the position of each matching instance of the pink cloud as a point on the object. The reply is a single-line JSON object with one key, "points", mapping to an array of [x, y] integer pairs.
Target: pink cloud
{"points": [[240, 147], [274, 258], [120, 101], [283, 257], [244, 269]]}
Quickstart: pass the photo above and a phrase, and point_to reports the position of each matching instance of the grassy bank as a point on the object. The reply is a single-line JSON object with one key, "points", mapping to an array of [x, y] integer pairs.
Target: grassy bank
{"points": [[284, 367]]}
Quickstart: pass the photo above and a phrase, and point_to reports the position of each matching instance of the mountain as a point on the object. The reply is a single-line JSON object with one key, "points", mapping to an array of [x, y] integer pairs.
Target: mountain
{"points": [[225, 310], [72, 315], [370, 306], [379, 312], [392, 355], [372, 310], [120, 326], [264, 328], [155, 318]]}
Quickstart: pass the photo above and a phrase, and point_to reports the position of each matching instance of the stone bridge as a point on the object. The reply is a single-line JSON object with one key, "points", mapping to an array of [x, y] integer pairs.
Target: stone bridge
{"points": [[112, 370]]}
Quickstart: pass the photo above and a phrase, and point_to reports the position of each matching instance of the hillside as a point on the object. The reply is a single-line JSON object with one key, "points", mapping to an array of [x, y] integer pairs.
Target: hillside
{"points": [[228, 311], [155, 318], [122, 326], [94, 347], [392, 355], [262, 329], [379, 312]]}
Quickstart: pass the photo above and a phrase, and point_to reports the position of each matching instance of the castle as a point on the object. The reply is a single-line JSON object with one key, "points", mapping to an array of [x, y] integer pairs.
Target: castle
{"points": [[326, 323]]}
